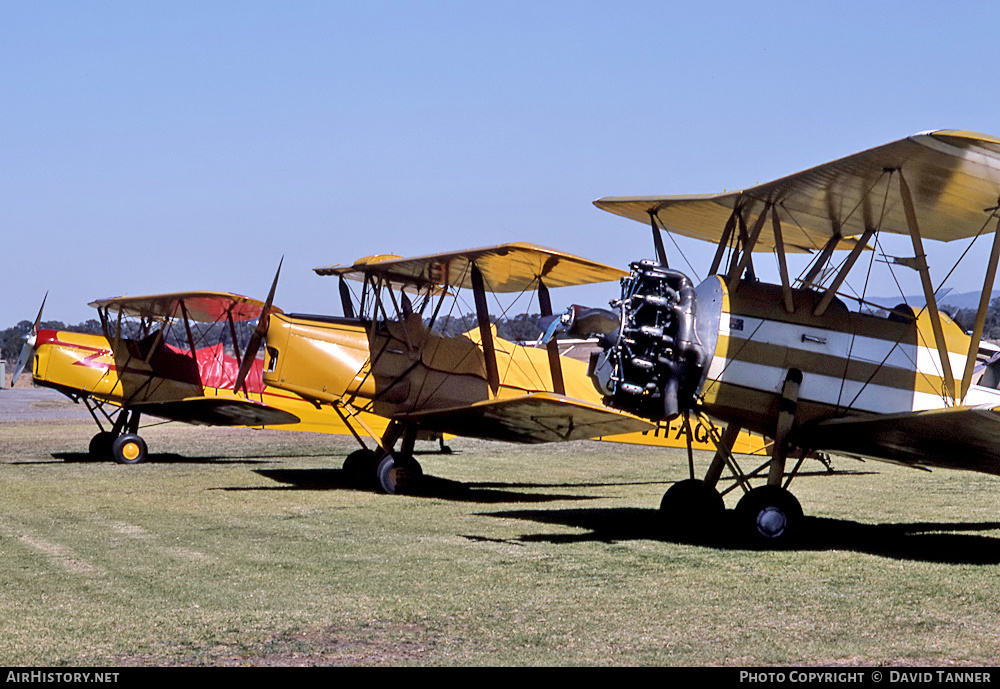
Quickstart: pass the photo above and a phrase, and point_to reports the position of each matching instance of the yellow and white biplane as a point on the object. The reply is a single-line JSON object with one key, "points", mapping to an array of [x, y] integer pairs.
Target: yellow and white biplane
{"points": [[385, 358], [790, 360], [171, 356]]}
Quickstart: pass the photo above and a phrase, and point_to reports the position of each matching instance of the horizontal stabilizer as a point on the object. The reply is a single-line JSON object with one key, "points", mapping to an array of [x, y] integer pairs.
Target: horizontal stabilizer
{"points": [[218, 411], [534, 418], [965, 438]]}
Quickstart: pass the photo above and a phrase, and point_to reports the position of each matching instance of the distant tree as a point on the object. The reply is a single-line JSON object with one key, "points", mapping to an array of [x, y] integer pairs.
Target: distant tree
{"points": [[520, 328], [12, 339], [455, 325], [966, 319]]}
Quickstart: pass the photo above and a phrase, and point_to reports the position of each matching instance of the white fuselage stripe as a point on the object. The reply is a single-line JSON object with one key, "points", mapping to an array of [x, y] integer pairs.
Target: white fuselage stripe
{"points": [[832, 389], [840, 344]]}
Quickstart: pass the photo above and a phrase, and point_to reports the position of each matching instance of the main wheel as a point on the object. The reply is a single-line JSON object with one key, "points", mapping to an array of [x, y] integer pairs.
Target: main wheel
{"points": [[691, 506], [100, 445], [359, 468], [769, 515], [398, 474], [129, 448]]}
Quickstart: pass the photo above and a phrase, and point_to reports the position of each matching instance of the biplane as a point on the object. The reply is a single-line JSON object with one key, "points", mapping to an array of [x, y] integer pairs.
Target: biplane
{"points": [[170, 356], [384, 357], [791, 360]]}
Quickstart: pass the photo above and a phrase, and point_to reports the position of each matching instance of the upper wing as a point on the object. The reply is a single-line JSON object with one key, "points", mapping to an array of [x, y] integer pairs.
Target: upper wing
{"points": [[207, 307], [954, 438], [953, 176], [505, 268], [533, 418], [218, 411]]}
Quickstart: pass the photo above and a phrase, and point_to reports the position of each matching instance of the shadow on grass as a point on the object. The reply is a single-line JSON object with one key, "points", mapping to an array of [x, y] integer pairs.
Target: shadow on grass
{"points": [[174, 458], [923, 541], [485, 492], [430, 487]]}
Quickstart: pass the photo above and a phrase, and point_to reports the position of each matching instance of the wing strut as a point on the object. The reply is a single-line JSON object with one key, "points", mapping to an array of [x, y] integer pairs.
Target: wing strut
{"points": [[345, 299], [727, 233], [823, 257], [555, 364], [984, 302], [747, 255], [485, 333], [831, 291], [779, 248], [925, 281], [661, 254]]}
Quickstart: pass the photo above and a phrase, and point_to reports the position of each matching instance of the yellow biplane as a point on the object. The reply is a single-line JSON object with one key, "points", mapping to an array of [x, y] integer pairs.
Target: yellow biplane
{"points": [[790, 360], [385, 358], [171, 356]]}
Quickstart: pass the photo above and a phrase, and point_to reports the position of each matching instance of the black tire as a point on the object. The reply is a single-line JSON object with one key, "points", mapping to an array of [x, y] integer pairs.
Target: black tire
{"points": [[398, 474], [359, 468], [100, 446], [691, 507], [769, 516], [129, 448]]}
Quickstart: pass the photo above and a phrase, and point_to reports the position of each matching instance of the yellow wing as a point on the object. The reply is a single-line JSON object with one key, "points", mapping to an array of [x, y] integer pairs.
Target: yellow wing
{"points": [[953, 177], [511, 267], [207, 307], [533, 418]]}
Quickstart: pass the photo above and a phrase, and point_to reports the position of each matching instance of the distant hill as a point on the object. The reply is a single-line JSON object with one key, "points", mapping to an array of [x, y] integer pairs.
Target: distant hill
{"points": [[964, 300]]}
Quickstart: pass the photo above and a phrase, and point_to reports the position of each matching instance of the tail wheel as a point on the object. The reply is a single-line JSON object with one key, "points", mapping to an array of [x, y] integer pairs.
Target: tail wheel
{"points": [[769, 515], [398, 474], [691, 506], [129, 448]]}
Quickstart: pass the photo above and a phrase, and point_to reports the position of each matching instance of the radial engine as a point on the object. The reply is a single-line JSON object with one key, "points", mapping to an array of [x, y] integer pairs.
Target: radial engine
{"points": [[666, 340]]}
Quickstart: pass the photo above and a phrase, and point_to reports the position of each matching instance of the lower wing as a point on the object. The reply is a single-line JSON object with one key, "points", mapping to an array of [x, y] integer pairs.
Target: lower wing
{"points": [[533, 418], [955, 438], [218, 411]]}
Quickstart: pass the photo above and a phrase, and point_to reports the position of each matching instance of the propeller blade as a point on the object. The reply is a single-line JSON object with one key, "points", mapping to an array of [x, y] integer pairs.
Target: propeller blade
{"points": [[38, 318], [28, 349], [248, 358], [258, 335]]}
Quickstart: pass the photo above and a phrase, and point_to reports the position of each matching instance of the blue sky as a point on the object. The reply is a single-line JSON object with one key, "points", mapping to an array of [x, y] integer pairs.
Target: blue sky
{"points": [[161, 146]]}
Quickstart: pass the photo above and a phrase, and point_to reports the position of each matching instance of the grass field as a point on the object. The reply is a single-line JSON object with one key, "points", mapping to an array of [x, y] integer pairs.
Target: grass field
{"points": [[240, 547]]}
